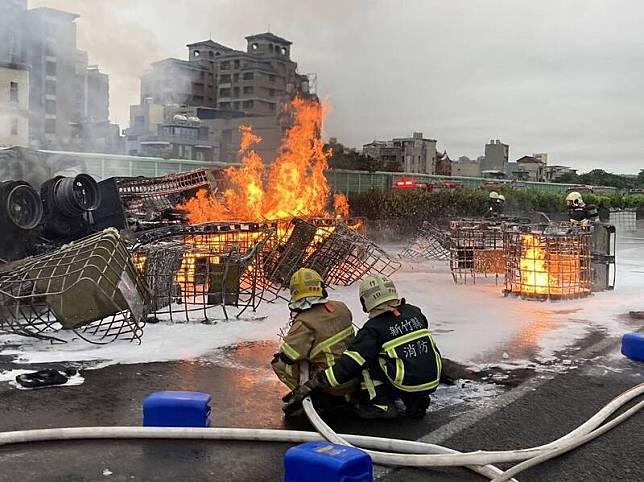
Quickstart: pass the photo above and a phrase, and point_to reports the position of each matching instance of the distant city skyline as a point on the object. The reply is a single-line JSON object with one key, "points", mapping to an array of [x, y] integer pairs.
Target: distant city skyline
{"points": [[556, 77]]}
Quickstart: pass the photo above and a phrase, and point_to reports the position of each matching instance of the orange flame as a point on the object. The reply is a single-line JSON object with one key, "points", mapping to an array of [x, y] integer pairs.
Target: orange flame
{"points": [[341, 206], [294, 185], [534, 275], [544, 273]]}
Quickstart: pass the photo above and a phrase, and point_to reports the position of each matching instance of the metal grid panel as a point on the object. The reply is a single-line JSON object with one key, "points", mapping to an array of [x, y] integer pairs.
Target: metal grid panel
{"points": [[90, 287], [430, 242], [548, 261], [346, 256], [476, 248], [195, 269], [624, 220]]}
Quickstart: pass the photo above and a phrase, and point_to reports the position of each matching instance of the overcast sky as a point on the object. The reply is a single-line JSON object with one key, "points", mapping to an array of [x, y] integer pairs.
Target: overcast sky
{"points": [[556, 76]]}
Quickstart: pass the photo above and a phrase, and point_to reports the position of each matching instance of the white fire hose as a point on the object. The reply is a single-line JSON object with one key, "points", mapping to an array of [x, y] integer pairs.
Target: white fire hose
{"points": [[401, 453]]}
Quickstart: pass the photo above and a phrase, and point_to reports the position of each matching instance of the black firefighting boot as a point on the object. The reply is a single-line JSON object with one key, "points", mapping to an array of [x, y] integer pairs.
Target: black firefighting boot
{"points": [[416, 405], [376, 402]]}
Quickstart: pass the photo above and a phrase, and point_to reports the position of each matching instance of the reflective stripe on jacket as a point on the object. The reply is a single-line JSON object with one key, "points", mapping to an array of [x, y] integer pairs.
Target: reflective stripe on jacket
{"points": [[319, 335], [400, 343]]}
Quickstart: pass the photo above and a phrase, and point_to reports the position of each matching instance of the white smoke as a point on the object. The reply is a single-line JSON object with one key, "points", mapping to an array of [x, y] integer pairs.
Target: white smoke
{"points": [[121, 46]]}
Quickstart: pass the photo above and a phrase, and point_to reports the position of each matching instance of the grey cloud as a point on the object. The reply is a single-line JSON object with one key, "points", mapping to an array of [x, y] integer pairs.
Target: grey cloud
{"points": [[560, 76]]}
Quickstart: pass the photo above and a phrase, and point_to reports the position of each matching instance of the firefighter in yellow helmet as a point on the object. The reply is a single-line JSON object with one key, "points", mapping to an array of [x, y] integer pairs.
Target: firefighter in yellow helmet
{"points": [[319, 332], [394, 350], [496, 205], [580, 213]]}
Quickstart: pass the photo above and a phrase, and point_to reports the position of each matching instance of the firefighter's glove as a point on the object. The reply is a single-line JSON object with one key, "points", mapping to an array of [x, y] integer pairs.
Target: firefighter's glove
{"points": [[295, 398]]}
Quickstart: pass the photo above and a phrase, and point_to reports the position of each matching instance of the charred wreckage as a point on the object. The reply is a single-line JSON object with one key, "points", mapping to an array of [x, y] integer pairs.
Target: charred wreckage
{"points": [[102, 259]]}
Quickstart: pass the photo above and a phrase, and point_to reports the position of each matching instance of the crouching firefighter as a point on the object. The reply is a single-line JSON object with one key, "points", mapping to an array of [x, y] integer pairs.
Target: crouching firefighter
{"points": [[394, 351], [320, 331]]}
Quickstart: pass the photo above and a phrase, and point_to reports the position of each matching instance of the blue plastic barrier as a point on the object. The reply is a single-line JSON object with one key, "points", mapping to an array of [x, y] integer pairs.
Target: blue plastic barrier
{"points": [[325, 462], [177, 409], [633, 346]]}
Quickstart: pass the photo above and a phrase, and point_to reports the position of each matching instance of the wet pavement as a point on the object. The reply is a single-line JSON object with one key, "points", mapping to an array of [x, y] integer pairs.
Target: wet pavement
{"points": [[246, 394]]}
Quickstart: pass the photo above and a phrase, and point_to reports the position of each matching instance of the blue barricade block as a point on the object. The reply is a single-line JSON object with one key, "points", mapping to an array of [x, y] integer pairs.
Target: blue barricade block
{"points": [[325, 462], [177, 409], [633, 346]]}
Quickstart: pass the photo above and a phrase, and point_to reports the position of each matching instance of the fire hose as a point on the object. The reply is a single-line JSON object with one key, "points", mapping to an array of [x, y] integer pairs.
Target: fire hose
{"points": [[392, 452]]}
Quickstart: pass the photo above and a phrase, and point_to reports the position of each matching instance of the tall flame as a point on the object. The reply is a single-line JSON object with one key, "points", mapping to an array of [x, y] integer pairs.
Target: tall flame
{"points": [[294, 185], [550, 273], [534, 274]]}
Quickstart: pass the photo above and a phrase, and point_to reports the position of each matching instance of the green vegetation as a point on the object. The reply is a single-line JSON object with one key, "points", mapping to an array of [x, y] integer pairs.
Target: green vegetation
{"points": [[599, 177], [411, 207]]}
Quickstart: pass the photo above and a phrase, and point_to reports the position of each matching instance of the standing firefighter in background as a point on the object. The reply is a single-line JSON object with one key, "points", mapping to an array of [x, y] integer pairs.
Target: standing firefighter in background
{"points": [[320, 330], [496, 205], [394, 351], [579, 212]]}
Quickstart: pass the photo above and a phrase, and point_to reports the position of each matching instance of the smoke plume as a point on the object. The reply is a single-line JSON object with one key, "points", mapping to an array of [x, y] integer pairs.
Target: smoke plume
{"points": [[114, 40]]}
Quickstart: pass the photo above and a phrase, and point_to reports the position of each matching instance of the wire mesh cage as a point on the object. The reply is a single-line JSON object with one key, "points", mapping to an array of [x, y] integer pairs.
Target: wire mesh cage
{"points": [[548, 261], [476, 249], [430, 242], [337, 249], [345, 256], [205, 272], [624, 220], [89, 287]]}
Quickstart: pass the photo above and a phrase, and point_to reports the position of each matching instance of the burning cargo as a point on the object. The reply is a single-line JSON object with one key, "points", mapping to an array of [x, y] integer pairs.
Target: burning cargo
{"points": [[548, 261]]}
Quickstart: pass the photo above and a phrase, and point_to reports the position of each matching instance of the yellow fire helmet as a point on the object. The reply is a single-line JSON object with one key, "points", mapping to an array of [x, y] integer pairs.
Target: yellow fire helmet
{"points": [[494, 195], [575, 199], [501, 197], [306, 283], [375, 290]]}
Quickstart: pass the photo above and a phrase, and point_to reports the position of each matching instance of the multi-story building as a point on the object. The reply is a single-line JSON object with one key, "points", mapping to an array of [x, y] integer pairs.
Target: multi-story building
{"points": [[223, 88], [384, 151], [169, 131], [466, 167], [443, 164], [176, 81], [68, 101], [555, 172], [496, 156], [14, 105], [418, 153], [11, 36], [530, 169], [541, 157], [414, 154]]}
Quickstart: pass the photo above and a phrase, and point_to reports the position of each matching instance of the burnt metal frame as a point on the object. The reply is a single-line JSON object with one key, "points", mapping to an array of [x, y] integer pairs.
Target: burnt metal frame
{"points": [[180, 263]]}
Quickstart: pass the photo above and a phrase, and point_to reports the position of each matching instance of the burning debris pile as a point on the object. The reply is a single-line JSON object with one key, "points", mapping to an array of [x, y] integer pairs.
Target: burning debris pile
{"points": [[197, 246], [548, 261]]}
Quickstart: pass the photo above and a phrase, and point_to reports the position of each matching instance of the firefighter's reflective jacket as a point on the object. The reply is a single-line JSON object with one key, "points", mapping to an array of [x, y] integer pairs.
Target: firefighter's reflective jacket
{"points": [[400, 343], [319, 335]]}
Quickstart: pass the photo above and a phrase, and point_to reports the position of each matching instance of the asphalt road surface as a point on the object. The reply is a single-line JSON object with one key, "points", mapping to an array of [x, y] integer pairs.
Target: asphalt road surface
{"points": [[245, 394]]}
